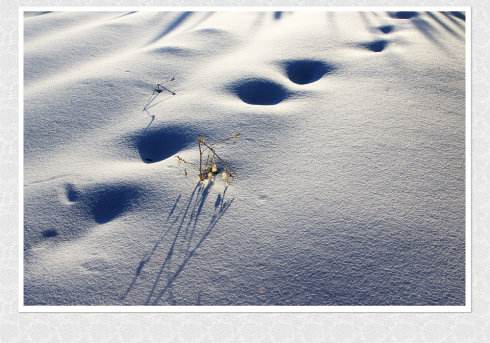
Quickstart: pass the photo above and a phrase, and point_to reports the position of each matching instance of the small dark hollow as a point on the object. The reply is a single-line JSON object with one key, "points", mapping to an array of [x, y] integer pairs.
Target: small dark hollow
{"points": [[306, 71], [159, 144], [72, 194], [386, 28], [49, 233], [403, 14], [107, 204], [376, 46], [259, 91]]}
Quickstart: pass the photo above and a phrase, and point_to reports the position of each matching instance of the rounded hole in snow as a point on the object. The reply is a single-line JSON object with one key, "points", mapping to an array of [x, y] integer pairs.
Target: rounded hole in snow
{"points": [[403, 14], [72, 194], [49, 233], [259, 91], [306, 71], [109, 202], [386, 28], [375, 46], [155, 145]]}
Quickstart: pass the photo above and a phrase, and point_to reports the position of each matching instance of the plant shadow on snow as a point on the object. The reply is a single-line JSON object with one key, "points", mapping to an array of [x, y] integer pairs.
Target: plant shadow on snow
{"points": [[429, 24], [459, 15], [451, 16], [189, 233], [173, 25], [432, 24], [443, 25], [31, 14]]}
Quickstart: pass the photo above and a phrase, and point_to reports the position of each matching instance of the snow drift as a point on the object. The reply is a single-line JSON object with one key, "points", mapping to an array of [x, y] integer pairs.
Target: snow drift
{"points": [[350, 169]]}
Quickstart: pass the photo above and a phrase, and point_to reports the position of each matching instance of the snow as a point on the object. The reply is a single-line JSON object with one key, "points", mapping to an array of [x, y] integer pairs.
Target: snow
{"points": [[350, 165]]}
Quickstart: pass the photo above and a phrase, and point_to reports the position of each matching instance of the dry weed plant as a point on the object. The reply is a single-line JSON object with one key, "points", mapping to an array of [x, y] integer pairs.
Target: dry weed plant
{"points": [[210, 162]]}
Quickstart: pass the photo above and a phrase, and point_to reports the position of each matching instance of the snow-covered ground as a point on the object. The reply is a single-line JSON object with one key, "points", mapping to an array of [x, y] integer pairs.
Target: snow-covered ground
{"points": [[349, 186]]}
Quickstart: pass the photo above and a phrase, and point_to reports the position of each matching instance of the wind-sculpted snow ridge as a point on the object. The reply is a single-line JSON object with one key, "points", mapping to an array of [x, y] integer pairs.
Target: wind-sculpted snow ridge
{"points": [[349, 185]]}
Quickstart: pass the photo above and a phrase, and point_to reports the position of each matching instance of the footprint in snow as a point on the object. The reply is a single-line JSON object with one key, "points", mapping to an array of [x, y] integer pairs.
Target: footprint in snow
{"points": [[155, 145], [386, 28], [109, 202], [49, 233], [259, 91], [375, 46], [72, 193], [306, 71], [101, 201], [403, 14]]}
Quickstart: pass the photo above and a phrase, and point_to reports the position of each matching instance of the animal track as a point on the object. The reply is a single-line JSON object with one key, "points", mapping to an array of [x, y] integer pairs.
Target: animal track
{"points": [[403, 14], [72, 194], [49, 233], [375, 46], [306, 71], [108, 202], [158, 144], [386, 28], [88, 205], [259, 91]]}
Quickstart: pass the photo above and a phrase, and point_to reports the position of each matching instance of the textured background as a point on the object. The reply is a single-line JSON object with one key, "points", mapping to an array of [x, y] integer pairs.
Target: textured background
{"points": [[283, 327]]}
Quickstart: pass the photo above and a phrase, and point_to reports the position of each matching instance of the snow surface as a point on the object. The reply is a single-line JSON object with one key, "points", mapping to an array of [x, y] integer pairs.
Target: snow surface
{"points": [[350, 167]]}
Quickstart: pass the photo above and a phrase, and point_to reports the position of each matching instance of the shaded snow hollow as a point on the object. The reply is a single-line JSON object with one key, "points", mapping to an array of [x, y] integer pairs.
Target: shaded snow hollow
{"points": [[350, 168]]}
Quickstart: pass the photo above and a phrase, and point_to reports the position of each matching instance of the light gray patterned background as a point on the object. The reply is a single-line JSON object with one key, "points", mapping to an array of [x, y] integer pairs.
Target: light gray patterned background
{"points": [[244, 327]]}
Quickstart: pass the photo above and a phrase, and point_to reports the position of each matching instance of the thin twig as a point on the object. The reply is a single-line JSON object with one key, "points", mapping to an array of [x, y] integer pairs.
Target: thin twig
{"points": [[208, 169], [168, 90], [215, 154]]}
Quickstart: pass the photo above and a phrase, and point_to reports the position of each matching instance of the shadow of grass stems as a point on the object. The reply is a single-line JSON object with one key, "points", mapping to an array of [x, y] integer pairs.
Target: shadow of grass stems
{"points": [[210, 162]]}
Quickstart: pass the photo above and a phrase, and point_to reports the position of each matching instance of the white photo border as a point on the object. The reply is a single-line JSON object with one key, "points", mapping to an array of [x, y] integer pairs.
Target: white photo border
{"points": [[244, 308]]}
